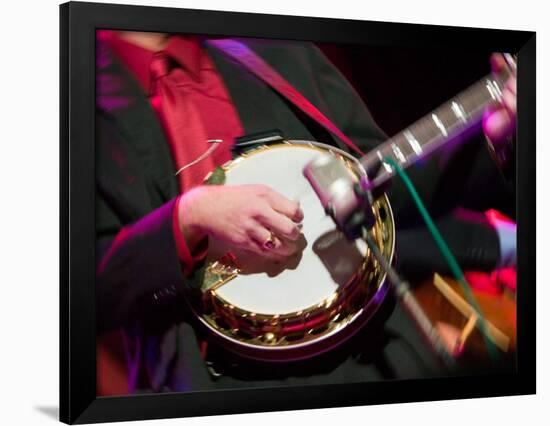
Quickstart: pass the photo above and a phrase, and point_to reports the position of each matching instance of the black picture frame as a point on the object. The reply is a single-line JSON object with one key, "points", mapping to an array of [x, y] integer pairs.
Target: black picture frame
{"points": [[78, 401]]}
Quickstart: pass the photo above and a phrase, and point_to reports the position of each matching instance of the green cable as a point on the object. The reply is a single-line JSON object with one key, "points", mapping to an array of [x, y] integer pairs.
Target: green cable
{"points": [[447, 254]]}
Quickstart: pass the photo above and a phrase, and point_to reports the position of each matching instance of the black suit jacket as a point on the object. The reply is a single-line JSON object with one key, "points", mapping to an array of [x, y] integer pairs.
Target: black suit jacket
{"points": [[139, 279]]}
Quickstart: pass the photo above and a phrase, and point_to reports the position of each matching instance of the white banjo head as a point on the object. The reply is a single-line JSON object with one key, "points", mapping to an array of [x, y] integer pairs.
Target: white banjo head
{"points": [[311, 301], [328, 260]]}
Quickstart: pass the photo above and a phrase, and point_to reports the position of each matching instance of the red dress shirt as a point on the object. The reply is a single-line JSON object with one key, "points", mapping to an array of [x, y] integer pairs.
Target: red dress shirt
{"points": [[215, 116]]}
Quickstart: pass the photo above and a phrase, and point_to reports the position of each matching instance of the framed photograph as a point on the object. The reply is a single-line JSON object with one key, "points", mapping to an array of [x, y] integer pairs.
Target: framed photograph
{"points": [[263, 212]]}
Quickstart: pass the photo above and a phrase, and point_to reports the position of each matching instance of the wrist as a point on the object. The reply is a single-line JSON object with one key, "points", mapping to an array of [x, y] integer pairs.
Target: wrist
{"points": [[190, 219]]}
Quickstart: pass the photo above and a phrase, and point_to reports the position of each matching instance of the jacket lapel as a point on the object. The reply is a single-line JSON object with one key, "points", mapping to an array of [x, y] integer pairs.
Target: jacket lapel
{"points": [[120, 98], [261, 108]]}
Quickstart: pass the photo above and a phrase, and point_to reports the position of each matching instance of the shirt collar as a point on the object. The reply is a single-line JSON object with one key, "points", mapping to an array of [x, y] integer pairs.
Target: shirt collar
{"points": [[185, 50]]}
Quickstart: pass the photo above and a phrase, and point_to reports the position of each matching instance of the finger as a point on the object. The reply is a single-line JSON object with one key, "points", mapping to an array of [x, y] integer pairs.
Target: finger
{"points": [[264, 238], [287, 248], [270, 245], [280, 224], [511, 85], [497, 62], [256, 248], [509, 101], [497, 125], [289, 208], [264, 243]]}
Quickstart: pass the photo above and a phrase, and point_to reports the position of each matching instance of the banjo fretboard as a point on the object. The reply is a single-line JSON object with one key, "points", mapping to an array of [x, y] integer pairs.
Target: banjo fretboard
{"points": [[444, 124]]}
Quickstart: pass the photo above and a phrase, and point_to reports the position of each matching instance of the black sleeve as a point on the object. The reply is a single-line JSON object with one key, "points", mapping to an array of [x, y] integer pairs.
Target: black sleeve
{"points": [[471, 238], [137, 266]]}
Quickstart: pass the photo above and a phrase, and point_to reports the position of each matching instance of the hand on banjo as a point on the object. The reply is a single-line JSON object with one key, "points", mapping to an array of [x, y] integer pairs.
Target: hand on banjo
{"points": [[499, 122], [250, 217]]}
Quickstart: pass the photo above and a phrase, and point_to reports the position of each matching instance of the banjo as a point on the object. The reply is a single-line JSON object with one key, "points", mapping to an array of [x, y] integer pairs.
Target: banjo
{"points": [[316, 300]]}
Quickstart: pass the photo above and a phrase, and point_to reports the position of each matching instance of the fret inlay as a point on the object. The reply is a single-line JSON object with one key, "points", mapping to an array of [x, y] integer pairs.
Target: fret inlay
{"points": [[412, 142], [459, 111], [439, 124], [397, 152]]}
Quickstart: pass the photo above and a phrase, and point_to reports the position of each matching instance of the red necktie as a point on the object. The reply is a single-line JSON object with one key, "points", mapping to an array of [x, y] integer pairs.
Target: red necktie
{"points": [[173, 101]]}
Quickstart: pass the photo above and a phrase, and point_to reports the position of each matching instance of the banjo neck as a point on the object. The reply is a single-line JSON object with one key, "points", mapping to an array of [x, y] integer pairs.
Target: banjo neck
{"points": [[450, 122]]}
